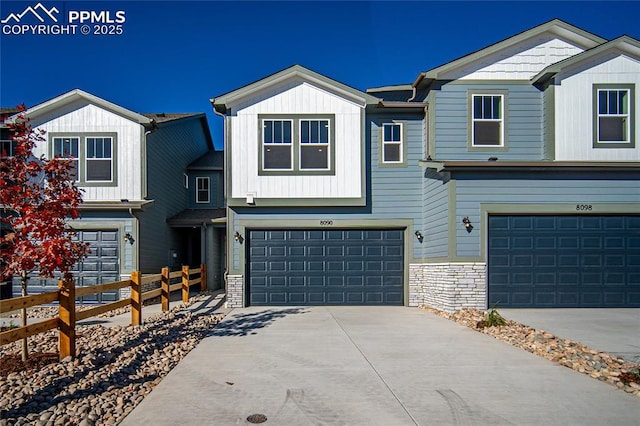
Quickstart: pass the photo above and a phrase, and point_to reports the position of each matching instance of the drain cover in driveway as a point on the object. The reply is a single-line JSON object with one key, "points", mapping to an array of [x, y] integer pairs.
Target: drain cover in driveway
{"points": [[257, 418]]}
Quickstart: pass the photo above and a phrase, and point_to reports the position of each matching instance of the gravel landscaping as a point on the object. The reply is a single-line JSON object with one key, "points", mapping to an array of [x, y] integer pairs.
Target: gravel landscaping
{"points": [[598, 365], [115, 368]]}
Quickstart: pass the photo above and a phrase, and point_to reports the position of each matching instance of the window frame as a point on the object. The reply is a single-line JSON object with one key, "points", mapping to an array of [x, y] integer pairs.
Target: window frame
{"points": [[504, 96], [264, 144], [402, 143], [12, 147], [630, 88], [81, 179], [296, 145], [198, 190], [314, 144], [66, 158], [88, 160]]}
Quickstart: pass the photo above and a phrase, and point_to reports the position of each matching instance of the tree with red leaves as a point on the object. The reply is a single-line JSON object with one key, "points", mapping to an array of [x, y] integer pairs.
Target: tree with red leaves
{"points": [[38, 196]]}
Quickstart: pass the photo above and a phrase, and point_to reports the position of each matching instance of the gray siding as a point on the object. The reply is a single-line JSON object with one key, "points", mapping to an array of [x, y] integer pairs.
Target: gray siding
{"points": [[548, 124], [170, 149], [524, 123], [472, 191], [436, 215]]}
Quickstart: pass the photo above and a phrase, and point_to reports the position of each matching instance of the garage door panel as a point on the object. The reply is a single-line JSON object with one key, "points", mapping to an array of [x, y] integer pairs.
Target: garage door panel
{"points": [[326, 267], [578, 261]]}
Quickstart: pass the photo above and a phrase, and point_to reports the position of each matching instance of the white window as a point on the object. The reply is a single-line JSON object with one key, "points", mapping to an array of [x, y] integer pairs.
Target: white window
{"points": [[314, 144], [68, 148], [392, 142], [487, 120], [202, 190], [7, 148], [99, 159], [277, 153], [614, 122]]}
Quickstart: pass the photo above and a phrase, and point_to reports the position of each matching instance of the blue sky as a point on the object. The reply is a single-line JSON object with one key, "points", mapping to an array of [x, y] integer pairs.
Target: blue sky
{"points": [[173, 56]]}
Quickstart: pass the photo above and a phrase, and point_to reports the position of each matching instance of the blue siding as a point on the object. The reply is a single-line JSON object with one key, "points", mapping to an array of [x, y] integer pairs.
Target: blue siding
{"points": [[524, 123], [436, 215], [216, 190], [170, 149], [471, 192]]}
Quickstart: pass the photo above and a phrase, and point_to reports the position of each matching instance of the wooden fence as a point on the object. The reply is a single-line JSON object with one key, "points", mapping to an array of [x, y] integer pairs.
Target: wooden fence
{"points": [[68, 316]]}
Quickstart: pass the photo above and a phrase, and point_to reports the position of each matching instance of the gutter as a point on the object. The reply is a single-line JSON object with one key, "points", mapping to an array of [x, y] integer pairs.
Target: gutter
{"points": [[532, 165]]}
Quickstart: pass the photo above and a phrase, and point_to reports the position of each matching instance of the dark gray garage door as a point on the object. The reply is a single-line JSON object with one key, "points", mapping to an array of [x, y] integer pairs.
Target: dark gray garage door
{"points": [[564, 261], [101, 266], [325, 267]]}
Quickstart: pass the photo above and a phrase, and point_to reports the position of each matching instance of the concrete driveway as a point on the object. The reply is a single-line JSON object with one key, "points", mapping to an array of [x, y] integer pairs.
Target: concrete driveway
{"points": [[615, 331], [371, 366]]}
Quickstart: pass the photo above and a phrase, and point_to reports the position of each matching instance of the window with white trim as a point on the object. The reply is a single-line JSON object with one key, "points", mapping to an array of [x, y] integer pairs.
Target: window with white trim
{"points": [[202, 190], [487, 112], [68, 148], [314, 144], [7, 148], [99, 159], [613, 115], [392, 143], [277, 153]]}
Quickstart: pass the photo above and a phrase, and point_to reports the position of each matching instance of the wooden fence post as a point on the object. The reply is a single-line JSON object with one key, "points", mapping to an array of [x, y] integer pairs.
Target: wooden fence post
{"points": [[203, 277], [136, 298], [185, 283], [67, 319], [166, 294]]}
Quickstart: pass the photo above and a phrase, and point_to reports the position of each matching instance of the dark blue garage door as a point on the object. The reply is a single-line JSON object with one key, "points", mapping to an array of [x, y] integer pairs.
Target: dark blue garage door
{"points": [[564, 261], [325, 267]]}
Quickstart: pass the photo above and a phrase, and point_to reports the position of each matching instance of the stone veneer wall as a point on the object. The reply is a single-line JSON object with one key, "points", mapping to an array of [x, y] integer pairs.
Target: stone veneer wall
{"points": [[448, 286], [235, 293]]}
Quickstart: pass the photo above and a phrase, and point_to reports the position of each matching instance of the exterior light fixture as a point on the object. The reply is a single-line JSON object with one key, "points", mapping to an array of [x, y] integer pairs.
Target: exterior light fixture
{"points": [[467, 224], [128, 238], [419, 236], [238, 237]]}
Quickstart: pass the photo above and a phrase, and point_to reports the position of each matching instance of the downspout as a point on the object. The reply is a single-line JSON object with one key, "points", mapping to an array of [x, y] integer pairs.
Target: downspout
{"points": [[226, 181], [427, 154]]}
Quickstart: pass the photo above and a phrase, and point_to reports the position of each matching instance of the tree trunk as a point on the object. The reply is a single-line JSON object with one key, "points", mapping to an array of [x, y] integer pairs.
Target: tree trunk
{"points": [[25, 349]]}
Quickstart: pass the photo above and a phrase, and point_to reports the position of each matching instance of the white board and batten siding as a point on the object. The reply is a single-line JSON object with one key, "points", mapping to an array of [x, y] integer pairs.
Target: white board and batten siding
{"points": [[519, 62], [574, 110], [89, 118], [296, 97]]}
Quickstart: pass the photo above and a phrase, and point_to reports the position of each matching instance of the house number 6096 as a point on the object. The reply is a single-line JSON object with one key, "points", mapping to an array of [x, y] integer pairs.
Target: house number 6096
{"points": [[326, 223]]}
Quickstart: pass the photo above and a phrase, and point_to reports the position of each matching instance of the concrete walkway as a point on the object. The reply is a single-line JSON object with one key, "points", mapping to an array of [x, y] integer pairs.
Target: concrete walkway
{"points": [[615, 331], [371, 366]]}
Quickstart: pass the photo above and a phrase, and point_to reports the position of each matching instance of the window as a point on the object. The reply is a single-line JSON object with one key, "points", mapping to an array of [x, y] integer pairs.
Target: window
{"points": [[202, 190], [487, 120], [392, 143], [186, 180], [277, 153], [93, 155], [296, 144], [314, 144], [68, 148], [7, 148], [613, 116], [98, 159]]}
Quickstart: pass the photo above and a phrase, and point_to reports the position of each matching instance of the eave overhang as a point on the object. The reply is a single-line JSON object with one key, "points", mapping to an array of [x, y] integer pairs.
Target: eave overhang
{"points": [[116, 205], [532, 165]]}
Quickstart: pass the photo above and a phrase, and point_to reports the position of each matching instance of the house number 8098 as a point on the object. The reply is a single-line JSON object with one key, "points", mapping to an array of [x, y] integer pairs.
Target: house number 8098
{"points": [[584, 207]]}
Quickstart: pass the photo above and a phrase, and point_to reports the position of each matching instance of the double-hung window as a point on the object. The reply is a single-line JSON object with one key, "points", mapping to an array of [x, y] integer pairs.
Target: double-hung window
{"points": [[7, 148], [99, 159], [93, 156], [296, 144], [392, 143], [314, 144], [613, 116], [487, 120], [68, 148], [202, 190], [277, 147]]}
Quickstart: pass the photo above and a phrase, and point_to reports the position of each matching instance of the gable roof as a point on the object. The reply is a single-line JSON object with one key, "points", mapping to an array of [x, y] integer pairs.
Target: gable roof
{"points": [[212, 160], [220, 102], [623, 43], [161, 117], [556, 26], [77, 94]]}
